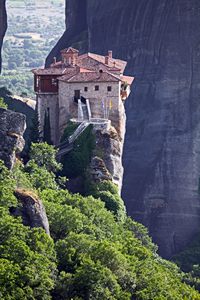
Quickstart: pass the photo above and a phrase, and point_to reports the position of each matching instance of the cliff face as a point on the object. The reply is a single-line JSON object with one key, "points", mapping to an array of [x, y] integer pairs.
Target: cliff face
{"points": [[106, 163], [160, 40], [12, 127], [77, 30], [25, 106], [3, 24]]}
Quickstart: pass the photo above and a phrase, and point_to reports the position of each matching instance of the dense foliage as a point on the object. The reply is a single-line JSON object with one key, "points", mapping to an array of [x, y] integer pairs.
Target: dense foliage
{"points": [[76, 162], [3, 104], [91, 255], [189, 261]]}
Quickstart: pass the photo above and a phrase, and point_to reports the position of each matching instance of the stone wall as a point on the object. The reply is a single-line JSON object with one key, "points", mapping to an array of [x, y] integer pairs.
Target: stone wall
{"points": [[49, 103], [98, 101]]}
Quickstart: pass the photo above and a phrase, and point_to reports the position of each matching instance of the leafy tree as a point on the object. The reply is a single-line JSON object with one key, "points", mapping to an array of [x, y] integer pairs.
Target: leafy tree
{"points": [[39, 177], [91, 255], [44, 155], [35, 132], [76, 161], [108, 192], [27, 256], [3, 104], [47, 129]]}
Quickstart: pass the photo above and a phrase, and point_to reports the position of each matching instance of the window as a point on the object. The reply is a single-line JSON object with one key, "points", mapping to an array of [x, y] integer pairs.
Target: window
{"points": [[85, 88], [96, 88], [109, 88]]}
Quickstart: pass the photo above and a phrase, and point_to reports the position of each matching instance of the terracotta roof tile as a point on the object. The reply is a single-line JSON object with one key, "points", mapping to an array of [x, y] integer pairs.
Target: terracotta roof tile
{"points": [[87, 63], [54, 71], [100, 59], [91, 77]]}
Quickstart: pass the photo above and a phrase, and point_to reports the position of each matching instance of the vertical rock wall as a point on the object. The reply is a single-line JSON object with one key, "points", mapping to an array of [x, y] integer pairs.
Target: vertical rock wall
{"points": [[161, 41], [12, 127]]}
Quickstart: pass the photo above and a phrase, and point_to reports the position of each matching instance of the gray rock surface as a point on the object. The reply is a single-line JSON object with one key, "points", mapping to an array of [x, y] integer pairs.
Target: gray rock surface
{"points": [[22, 105], [31, 210], [106, 162], [12, 127], [161, 41], [3, 24]]}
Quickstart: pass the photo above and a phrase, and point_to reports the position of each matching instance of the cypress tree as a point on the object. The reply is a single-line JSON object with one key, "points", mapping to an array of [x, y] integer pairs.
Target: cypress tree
{"points": [[47, 129], [35, 133]]}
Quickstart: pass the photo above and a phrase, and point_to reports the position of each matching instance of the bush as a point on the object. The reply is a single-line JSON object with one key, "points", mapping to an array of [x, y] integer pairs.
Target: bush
{"points": [[3, 104]]}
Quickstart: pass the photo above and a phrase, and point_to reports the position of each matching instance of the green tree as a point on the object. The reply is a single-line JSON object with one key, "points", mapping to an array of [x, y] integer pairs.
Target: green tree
{"points": [[108, 192], [35, 133], [47, 129], [44, 155], [3, 104]]}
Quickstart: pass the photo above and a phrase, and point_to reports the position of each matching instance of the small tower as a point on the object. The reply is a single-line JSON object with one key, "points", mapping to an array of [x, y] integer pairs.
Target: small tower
{"points": [[70, 56]]}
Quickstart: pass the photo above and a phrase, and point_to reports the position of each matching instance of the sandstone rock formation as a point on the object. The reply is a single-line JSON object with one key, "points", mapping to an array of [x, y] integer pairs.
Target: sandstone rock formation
{"points": [[31, 210], [12, 127], [160, 40], [3, 24]]}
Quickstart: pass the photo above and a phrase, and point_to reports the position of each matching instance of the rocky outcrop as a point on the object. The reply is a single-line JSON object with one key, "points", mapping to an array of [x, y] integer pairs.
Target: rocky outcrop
{"points": [[106, 163], [12, 127], [3, 24], [31, 210], [160, 40], [22, 105]]}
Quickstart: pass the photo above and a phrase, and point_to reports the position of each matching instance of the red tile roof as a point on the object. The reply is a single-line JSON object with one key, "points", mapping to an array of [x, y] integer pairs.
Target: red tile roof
{"points": [[85, 59], [54, 71], [87, 68], [91, 77]]}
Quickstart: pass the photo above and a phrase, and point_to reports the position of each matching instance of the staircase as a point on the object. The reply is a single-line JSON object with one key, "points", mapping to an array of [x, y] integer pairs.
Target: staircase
{"points": [[84, 116], [78, 131], [67, 145]]}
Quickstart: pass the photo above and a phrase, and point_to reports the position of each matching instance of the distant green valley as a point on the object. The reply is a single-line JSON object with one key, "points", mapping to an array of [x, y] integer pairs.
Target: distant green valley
{"points": [[34, 28]]}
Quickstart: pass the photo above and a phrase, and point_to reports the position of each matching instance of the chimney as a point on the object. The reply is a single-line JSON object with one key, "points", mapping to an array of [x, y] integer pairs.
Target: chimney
{"points": [[106, 60], [54, 60], [110, 54]]}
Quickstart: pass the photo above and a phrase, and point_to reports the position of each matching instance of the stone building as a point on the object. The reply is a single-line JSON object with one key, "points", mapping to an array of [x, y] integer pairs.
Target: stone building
{"points": [[87, 87]]}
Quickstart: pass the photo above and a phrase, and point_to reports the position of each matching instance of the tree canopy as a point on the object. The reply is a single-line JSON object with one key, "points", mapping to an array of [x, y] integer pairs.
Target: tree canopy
{"points": [[91, 254]]}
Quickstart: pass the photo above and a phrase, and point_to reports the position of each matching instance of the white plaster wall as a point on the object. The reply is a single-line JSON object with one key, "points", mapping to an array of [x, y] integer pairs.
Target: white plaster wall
{"points": [[68, 109], [50, 101]]}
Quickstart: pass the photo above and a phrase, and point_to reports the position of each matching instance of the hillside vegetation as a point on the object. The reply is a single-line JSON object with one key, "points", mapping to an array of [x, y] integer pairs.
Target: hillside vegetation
{"points": [[91, 254]]}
